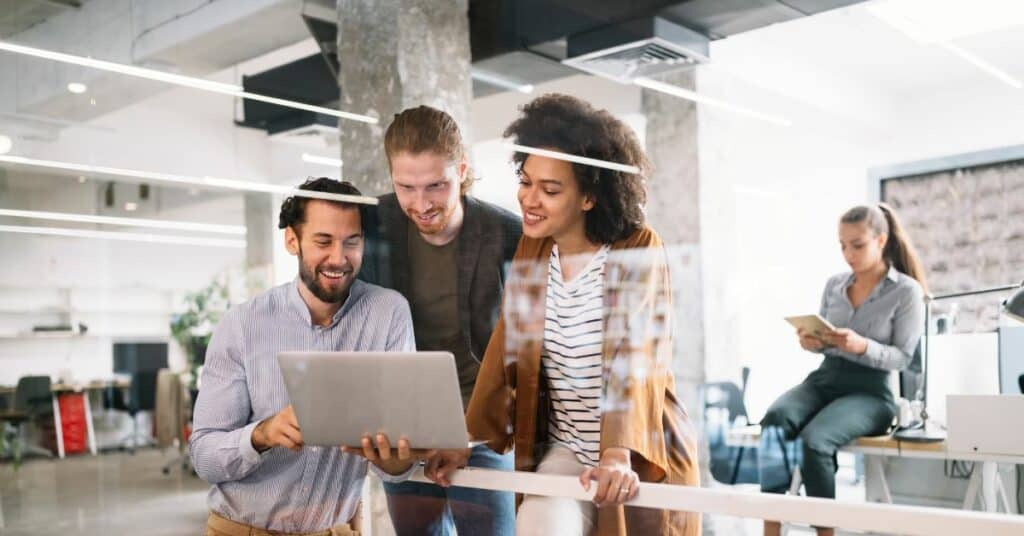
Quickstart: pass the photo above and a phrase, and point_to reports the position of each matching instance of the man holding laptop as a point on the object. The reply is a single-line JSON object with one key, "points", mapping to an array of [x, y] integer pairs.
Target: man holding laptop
{"points": [[247, 442], [446, 252]]}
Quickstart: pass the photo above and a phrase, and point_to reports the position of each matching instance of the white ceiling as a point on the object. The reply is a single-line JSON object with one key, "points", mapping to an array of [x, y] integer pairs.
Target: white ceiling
{"points": [[867, 55], [20, 15]]}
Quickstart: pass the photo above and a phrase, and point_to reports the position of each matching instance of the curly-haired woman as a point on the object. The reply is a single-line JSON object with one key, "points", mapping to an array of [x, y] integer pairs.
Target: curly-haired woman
{"points": [[577, 376]]}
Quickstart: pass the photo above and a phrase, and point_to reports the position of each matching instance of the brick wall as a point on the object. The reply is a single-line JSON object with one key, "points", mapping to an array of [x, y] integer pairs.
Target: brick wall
{"points": [[968, 227]]}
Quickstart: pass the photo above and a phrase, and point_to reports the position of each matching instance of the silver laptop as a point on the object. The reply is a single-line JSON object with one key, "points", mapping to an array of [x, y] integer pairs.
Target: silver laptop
{"points": [[339, 397]]}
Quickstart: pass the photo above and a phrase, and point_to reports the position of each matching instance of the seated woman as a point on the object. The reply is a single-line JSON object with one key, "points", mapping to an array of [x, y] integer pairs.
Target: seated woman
{"points": [[577, 376], [878, 310]]}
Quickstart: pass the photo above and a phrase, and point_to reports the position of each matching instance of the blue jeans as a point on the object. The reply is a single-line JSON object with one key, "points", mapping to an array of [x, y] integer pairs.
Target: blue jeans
{"points": [[417, 508]]}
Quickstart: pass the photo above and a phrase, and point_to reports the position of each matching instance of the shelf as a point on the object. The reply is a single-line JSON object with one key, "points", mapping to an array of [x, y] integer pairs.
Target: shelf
{"points": [[83, 311], [87, 335], [45, 335]]}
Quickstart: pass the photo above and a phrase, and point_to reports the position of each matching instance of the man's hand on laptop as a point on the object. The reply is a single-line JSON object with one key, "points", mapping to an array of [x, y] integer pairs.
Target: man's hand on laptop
{"points": [[378, 451], [441, 465], [281, 430]]}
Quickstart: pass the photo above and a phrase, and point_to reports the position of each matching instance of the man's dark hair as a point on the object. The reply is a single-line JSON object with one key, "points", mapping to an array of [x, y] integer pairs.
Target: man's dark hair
{"points": [[573, 126], [293, 210]]}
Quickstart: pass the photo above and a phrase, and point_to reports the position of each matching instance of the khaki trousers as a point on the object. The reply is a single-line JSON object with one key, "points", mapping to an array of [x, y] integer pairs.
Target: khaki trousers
{"points": [[217, 525]]}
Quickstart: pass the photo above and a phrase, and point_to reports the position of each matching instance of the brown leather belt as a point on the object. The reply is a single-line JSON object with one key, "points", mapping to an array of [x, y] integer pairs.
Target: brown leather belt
{"points": [[219, 525]]}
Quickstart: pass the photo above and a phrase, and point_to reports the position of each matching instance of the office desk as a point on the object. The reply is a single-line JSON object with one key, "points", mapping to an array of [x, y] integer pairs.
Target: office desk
{"points": [[61, 388], [876, 449]]}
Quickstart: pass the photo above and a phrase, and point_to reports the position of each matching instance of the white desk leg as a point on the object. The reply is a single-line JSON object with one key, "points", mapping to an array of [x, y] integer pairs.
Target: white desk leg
{"points": [[973, 486], [59, 432], [875, 466], [988, 486], [88, 422], [1008, 505]]}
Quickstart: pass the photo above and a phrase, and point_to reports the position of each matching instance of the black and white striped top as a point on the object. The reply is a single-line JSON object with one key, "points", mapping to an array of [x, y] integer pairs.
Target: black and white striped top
{"points": [[571, 359]]}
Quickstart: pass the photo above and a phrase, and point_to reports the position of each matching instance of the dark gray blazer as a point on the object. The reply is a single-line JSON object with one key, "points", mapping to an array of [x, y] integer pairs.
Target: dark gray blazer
{"points": [[486, 243]]}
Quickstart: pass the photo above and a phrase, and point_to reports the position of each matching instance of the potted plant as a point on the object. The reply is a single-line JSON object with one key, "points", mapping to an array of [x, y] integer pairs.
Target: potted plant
{"points": [[193, 327]]}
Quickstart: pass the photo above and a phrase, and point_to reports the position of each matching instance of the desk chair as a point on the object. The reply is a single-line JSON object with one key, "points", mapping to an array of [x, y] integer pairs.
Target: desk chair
{"points": [[141, 397], [732, 398], [32, 400]]}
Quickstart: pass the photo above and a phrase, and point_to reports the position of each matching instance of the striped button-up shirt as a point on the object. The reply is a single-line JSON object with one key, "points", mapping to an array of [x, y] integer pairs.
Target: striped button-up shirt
{"points": [[241, 385]]}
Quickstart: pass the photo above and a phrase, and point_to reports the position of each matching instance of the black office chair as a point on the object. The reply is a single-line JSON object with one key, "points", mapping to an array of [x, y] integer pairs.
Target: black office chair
{"points": [[141, 397], [729, 397], [33, 400]]}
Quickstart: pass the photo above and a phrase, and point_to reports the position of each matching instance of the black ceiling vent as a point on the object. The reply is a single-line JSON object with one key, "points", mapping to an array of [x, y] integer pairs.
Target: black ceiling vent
{"points": [[638, 48]]}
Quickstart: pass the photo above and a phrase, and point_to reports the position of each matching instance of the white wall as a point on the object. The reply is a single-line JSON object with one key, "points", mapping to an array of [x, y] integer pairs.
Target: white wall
{"points": [[134, 286], [771, 195]]}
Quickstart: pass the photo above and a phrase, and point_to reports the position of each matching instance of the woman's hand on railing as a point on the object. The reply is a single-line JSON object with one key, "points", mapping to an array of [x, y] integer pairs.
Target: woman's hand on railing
{"points": [[443, 463], [617, 482]]}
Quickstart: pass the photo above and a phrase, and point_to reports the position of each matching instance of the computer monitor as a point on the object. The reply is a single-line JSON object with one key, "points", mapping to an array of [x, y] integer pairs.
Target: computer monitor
{"points": [[131, 357], [1011, 360]]}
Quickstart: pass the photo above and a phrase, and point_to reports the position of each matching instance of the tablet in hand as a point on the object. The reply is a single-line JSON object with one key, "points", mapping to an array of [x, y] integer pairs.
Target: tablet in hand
{"points": [[812, 324]]}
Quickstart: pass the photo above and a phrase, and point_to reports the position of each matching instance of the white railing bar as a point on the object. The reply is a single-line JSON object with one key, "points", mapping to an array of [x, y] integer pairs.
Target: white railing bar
{"points": [[872, 517]]}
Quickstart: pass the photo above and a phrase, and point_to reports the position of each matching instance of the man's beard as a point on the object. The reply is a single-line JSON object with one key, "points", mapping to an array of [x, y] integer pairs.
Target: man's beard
{"points": [[309, 276], [443, 217]]}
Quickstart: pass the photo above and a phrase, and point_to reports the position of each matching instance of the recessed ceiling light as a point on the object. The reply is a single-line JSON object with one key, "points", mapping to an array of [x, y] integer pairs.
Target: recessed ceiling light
{"points": [[131, 207], [77, 87], [5, 144]]}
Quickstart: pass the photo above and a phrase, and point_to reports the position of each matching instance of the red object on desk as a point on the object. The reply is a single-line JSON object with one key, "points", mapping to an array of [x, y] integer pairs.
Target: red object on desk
{"points": [[72, 422]]}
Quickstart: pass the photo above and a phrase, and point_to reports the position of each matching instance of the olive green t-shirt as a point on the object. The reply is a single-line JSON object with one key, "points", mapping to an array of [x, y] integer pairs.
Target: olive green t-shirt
{"points": [[434, 300]]}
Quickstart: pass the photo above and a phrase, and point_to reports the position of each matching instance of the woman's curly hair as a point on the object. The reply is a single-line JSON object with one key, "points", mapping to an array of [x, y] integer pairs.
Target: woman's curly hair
{"points": [[573, 126]]}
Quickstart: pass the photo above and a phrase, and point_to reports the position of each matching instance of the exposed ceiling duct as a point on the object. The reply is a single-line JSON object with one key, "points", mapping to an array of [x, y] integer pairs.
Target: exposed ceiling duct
{"points": [[540, 40], [310, 80], [516, 44]]}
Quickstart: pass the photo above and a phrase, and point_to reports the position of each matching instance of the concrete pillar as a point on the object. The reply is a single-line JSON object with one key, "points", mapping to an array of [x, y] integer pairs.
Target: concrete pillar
{"points": [[394, 55], [673, 210], [261, 233]]}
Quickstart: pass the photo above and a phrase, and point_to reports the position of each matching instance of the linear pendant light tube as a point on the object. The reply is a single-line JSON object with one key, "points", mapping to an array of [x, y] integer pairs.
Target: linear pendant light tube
{"points": [[130, 222], [177, 79], [135, 175], [500, 81], [687, 94], [983, 65], [130, 237], [573, 158], [323, 160]]}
